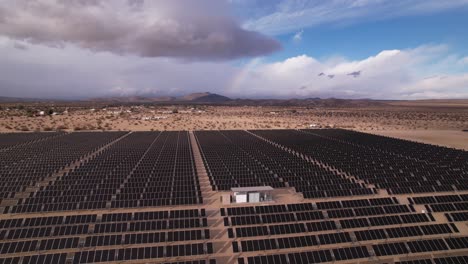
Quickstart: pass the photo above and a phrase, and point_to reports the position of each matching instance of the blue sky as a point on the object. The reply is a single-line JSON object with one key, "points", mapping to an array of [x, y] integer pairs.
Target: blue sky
{"points": [[364, 39], [381, 49]]}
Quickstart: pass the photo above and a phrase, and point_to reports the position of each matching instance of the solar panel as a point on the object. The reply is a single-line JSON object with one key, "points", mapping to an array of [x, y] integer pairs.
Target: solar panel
{"points": [[390, 249], [350, 253], [427, 245], [87, 196]]}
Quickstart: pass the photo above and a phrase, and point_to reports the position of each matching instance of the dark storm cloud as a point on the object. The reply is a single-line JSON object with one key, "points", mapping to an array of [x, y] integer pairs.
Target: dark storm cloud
{"points": [[182, 29]]}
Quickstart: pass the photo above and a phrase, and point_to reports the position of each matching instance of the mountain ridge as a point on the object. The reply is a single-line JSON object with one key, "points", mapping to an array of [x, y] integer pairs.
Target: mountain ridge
{"points": [[205, 97], [217, 99]]}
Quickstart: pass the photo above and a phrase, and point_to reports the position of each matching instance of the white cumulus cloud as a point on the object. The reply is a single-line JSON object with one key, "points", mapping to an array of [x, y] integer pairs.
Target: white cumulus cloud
{"points": [[391, 74]]}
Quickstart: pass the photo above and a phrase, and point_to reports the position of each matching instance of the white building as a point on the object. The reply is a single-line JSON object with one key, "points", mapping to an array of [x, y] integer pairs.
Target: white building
{"points": [[252, 194]]}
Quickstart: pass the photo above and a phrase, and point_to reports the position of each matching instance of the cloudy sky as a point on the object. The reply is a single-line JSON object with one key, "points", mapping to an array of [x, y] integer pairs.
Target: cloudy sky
{"points": [[381, 49]]}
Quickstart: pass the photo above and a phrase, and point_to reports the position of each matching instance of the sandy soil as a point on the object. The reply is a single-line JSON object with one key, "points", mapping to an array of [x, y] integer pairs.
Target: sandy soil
{"points": [[448, 138]]}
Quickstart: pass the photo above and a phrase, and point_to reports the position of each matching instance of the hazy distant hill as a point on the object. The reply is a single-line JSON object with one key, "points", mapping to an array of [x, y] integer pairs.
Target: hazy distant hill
{"points": [[132, 99], [212, 98], [310, 102], [206, 98], [4, 99], [194, 97]]}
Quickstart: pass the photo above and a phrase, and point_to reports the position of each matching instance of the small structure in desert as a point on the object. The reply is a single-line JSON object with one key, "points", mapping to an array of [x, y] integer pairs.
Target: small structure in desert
{"points": [[252, 194]]}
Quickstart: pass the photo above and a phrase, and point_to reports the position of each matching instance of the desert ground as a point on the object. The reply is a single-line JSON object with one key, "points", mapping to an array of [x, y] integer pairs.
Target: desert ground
{"points": [[441, 123]]}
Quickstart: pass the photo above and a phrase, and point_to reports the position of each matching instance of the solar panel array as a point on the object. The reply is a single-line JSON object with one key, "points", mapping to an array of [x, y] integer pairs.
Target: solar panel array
{"points": [[142, 169], [166, 175], [300, 227], [25, 165], [240, 159], [113, 197], [12, 140], [396, 165], [106, 237]]}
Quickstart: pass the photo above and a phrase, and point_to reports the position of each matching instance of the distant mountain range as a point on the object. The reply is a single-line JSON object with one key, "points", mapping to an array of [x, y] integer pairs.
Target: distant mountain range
{"points": [[212, 98], [309, 102], [216, 99], [194, 98], [4, 99]]}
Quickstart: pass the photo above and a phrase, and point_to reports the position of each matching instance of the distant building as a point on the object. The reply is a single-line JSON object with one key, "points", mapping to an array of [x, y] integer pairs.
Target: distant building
{"points": [[251, 194]]}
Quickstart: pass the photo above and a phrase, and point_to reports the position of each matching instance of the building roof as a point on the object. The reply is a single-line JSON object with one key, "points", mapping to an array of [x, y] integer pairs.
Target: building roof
{"points": [[252, 189]]}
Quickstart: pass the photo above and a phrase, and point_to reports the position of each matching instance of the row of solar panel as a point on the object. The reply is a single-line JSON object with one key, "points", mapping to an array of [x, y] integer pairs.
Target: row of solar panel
{"points": [[36, 232], [107, 240], [109, 255], [319, 256], [439, 199], [341, 237], [144, 238], [281, 229], [371, 234], [106, 195], [150, 225], [38, 245], [70, 206], [36, 259], [447, 207], [170, 251], [351, 253], [318, 215], [446, 260], [273, 209], [354, 191], [457, 217], [113, 217], [312, 215]]}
